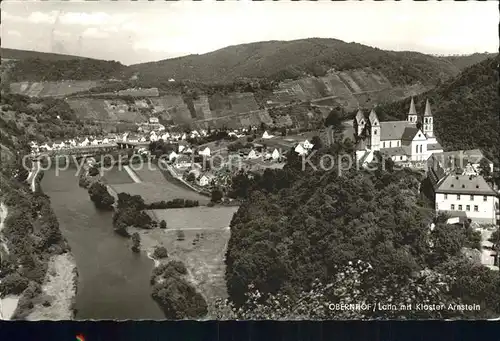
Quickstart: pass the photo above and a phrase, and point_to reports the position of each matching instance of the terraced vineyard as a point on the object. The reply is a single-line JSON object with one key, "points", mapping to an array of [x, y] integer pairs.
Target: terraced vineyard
{"points": [[104, 110], [51, 89]]}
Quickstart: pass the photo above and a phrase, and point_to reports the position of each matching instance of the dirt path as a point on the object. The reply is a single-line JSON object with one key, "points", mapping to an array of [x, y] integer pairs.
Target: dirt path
{"points": [[132, 174]]}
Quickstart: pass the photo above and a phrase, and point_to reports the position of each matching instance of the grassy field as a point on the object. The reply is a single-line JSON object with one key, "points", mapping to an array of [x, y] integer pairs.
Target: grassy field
{"points": [[152, 175], [117, 176], [152, 192], [202, 251], [195, 217]]}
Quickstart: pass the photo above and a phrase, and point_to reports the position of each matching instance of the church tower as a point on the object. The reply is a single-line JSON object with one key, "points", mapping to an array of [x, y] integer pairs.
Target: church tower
{"points": [[412, 114], [428, 121], [360, 121], [374, 131]]}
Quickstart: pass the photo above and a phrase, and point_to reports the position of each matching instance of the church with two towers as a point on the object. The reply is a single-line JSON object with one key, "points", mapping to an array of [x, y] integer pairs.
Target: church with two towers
{"points": [[412, 140]]}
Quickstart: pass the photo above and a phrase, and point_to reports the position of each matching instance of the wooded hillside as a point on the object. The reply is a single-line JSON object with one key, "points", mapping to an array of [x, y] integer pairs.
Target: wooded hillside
{"points": [[279, 60]]}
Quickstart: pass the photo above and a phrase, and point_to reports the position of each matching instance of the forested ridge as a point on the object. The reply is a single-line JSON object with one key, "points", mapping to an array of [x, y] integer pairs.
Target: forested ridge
{"points": [[279, 60], [36, 69], [297, 228]]}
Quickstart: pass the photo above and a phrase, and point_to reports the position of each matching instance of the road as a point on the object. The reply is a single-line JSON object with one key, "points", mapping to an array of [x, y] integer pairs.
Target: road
{"points": [[32, 175]]}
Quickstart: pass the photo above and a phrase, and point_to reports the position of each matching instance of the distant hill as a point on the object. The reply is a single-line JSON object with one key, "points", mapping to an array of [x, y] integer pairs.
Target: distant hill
{"points": [[280, 60], [465, 109], [24, 54], [463, 62], [40, 66]]}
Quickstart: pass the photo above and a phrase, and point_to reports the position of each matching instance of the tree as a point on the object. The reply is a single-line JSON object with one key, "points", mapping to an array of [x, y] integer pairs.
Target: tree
{"points": [[163, 224], [191, 177], [316, 142], [216, 195], [180, 235], [334, 118], [484, 168], [160, 252], [136, 242], [349, 286], [100, 196]]}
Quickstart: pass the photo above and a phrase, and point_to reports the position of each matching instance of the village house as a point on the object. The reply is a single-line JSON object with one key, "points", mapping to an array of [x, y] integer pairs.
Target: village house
{"points": [[266, 135], [460, 189], [403, 141], [172, 156], [252, 155], [467, 193], [204, 152], [206, 179]]}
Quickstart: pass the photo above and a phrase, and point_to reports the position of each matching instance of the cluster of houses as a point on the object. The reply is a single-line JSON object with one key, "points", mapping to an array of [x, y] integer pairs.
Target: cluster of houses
{"points": [[73, 143]]}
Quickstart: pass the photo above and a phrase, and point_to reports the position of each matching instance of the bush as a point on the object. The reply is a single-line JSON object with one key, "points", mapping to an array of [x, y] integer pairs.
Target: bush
{"points": [[180, 235], [136, 242], [160, 252], [13, 284]]}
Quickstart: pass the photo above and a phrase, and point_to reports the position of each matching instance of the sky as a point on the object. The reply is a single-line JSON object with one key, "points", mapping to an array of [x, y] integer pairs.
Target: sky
{"points": [[141, 31]]}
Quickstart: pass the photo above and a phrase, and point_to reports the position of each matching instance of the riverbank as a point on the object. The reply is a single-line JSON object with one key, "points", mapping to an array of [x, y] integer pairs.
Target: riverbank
{"points": [[58, 291]]}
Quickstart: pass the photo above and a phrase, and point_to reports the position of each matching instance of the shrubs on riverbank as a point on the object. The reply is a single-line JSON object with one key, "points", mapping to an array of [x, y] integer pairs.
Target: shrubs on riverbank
{"points": [[177, 298], [176, 203], [100, 196]]}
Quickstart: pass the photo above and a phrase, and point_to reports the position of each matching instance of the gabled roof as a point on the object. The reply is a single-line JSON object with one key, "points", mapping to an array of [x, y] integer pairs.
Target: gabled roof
{"points": [[394, 130], [464, 184], [409, 133], [427, 109], [395, 151]]}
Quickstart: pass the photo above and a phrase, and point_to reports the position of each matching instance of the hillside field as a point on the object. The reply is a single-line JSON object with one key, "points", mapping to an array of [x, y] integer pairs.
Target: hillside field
{"points": [[51, 89]]}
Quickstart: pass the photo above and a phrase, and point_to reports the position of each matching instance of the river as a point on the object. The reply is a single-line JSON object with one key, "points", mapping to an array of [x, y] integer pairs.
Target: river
{"points": [[113, 280]]}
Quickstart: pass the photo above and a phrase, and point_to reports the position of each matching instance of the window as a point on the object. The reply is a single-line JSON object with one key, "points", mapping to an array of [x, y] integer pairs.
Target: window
{"points": [[458, 196], [452, 207], [445, 196], [467, 208], [416, 151], [401, 158], [399, 143], [476, 208], [375, 132], [485, 198], [421, 147], [459, 207], [471, 198], [383, 143]]}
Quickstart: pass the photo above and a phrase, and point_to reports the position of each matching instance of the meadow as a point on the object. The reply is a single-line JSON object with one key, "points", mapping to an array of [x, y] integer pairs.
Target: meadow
{"points": [[202, 248], [117, 176], [154, 192], [201, 217]]}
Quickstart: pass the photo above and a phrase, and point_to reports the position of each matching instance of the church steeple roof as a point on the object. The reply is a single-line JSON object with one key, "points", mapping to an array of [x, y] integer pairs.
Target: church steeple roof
{"points": [[428, 111], [412, 111], [359, 116], [373, 116]]}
